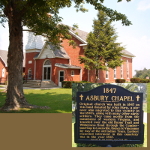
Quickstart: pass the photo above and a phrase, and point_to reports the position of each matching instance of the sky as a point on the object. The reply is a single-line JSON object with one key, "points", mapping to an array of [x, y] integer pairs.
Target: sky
{"points": [[135, 38]]}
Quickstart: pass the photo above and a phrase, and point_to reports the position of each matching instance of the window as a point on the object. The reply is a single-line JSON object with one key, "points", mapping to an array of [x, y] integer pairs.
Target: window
{"points": [[121, 71], [47, 62], [127, 69], [3, 72], [30, 62], [72, 72], [107, 72], [29, 74], [114, 73]]}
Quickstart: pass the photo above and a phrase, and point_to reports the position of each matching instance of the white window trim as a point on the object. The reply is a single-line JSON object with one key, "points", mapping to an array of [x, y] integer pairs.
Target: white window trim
{"points": [[3, 72], [121, 71], [43, 70], [115, 73]]}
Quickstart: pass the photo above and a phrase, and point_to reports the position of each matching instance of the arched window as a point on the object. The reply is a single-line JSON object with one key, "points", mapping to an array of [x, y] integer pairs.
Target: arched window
{"points": [[47, 70], [47, 62]]}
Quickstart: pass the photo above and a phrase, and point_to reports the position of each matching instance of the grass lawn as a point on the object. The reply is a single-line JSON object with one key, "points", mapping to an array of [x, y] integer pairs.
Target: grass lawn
{"points": [[148, 98], [59, 100], [75, 145]]}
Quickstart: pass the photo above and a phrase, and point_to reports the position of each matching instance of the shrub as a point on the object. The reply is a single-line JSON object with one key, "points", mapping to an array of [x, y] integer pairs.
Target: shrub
{"points": [[68, 84], [135, 80], [145, 81], [120, 80]]}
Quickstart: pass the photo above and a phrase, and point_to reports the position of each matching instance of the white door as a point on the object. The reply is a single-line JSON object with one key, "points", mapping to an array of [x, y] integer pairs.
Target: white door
{"points": [[61, 78]]}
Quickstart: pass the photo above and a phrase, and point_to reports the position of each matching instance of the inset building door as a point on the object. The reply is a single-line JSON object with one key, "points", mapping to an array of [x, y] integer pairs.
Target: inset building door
{"points": [[47, 73], [61, 78], [47, 70]]}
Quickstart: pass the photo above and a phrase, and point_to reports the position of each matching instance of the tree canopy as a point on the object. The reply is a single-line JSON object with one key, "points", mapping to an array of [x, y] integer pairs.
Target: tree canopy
{"points": [[142, 73], [42, 17]]}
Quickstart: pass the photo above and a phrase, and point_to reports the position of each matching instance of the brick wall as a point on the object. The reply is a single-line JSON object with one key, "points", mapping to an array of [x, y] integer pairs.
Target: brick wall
{"points": [[3, 79]]}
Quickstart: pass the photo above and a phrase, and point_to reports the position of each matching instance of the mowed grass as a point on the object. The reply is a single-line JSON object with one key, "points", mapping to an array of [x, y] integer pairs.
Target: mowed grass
{"points": [[59, 100], [148, 98]]}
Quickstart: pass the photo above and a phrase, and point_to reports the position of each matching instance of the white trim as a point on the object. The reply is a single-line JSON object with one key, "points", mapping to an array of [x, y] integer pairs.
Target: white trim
{"points": [[3, 61], [80, 39], [82, 44], [32, 50], [45, 66], [127, 56], [59, 83]]}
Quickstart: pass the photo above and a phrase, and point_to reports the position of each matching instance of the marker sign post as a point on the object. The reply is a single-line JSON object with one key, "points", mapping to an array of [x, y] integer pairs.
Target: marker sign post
{"points": [[109, 115]]}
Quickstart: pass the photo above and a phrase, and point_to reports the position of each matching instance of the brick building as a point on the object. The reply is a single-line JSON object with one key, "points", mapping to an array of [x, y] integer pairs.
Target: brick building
{"points": [[46, 64], [3, 66]]}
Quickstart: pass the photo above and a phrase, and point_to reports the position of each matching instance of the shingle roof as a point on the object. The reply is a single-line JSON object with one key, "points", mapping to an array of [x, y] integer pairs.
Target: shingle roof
{"points": [[3, 56], [61, 53], [82, 34], [67, 66]]}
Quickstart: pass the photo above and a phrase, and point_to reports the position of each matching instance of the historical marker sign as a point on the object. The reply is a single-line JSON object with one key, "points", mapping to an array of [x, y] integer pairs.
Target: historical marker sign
{"points": [[109, 115]]}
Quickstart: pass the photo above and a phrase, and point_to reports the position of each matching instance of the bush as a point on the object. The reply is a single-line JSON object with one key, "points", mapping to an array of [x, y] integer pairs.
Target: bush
{"points": [[145, 81], [120, 80], [135, 80], [68, 84]]}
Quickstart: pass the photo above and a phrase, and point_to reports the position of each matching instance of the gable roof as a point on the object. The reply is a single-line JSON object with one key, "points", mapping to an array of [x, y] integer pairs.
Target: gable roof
{"points": [[3, 56], [53, 53]]}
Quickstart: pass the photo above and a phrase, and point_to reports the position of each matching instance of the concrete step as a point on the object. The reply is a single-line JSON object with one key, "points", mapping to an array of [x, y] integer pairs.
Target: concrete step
{"points": [[39, 84]]}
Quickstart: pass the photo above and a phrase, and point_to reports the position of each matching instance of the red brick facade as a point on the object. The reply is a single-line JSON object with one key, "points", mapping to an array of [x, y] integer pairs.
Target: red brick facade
{"points": [[3, 72], [36, 64]]}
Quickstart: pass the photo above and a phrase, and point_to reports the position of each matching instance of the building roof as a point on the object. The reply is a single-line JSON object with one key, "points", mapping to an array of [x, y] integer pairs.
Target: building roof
{"points": [[127, 53], [60, 53], [67, 66], [3, 56], [37, 42]]}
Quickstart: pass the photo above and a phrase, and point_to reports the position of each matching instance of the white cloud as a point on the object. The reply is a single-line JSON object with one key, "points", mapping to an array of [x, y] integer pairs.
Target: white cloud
{"points": [[144, 5]]}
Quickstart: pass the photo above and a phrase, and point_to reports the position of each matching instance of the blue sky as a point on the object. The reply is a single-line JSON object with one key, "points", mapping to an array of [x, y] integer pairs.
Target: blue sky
{"points": [[135, 38]]}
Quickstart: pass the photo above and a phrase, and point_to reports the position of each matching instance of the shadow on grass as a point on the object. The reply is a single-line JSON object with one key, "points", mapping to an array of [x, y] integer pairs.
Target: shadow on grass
{"points": [[58, 103]]}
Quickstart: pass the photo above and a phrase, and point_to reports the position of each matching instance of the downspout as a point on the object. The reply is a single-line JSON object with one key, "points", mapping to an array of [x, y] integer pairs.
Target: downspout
{"points": [[34, 69]]}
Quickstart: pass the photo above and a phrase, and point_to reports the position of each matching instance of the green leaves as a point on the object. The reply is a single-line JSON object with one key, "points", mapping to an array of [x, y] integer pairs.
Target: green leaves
{"points": [[102, 46]]}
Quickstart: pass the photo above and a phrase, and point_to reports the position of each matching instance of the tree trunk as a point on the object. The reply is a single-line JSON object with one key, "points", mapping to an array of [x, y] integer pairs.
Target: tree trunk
{"points": [[15, 97]]}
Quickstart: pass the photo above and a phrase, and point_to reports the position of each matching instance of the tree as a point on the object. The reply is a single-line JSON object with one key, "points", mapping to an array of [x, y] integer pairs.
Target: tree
{"points": [[142, 73], [34, 15], [102, 49]]}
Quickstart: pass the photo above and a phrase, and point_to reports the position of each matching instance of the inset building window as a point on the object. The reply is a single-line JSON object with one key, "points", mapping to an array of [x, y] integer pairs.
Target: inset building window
{"points": [[107, 72], [114, 73], [121, 71], [3, 72], [127, 69], [72, 72], [30, 62]]}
